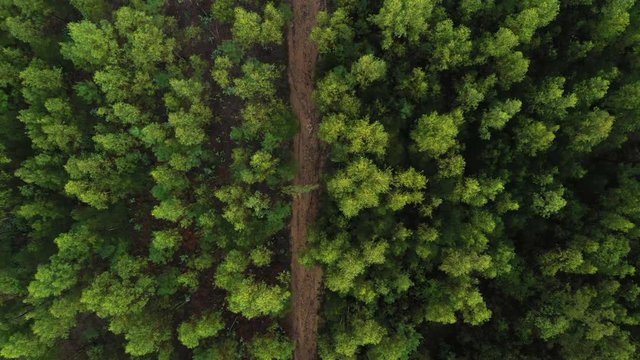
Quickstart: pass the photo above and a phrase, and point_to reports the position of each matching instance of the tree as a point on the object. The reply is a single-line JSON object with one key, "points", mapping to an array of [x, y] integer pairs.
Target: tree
{"points": [[368, 69], [435, 134], [92, 48], [271, 346], [190, 333], [403, 19], [359, 186], [250, 29]]}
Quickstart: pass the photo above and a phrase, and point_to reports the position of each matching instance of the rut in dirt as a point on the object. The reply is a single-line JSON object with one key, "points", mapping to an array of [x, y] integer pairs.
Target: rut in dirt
{"points": [[309, 157]]}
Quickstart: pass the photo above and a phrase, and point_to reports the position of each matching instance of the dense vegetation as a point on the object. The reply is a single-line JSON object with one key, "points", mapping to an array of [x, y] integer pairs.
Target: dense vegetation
{"points": [[484, 179], [144, 176], [482, 187]]}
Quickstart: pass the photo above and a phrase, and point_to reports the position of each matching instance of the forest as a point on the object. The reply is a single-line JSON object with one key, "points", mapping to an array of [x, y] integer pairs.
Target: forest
{"points": [[320, 179]]}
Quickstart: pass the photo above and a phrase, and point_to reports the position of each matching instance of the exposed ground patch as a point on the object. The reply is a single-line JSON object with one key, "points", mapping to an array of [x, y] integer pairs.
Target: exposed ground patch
{"points": [[309, 157]]}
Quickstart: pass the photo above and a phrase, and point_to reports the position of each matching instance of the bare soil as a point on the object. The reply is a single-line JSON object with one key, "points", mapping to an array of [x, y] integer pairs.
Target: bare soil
{"points": [[309, 156]]}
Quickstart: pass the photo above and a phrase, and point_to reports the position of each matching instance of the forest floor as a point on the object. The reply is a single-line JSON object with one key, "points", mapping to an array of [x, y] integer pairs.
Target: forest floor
{"points": [[309, 157]]}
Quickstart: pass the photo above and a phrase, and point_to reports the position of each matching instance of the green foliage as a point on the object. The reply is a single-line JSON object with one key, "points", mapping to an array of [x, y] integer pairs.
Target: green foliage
{"points": [[594, 128], [498, 116], [359, 186], [109, 166], [220, 71], [257, 81], [478, 197], [113, 296], [144, 333], [99, 181], [354, 137], [261, 256], [368, 69], [451, 46], [403, 19], [247, 296], [222, 10], [399, 346], [92, 9], [190, 333], [52, 279], [535, 136], [435, 134], [408, 186], [348, 341], [22, 345], [271, 347], [92, 47], [249, 28], [332, 30], [522, 118], [163, 245]]}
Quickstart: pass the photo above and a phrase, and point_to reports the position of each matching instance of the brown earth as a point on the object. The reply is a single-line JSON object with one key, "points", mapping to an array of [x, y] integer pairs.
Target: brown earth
{"points": [[309, 156]]}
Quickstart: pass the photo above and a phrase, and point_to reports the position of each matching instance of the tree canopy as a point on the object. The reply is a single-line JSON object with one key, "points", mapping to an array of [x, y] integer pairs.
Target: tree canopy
{"points": [[480, 197]]}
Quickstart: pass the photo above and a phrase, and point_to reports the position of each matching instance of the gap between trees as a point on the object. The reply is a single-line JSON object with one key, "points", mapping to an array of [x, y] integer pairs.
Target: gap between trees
{"points": [[309, 158]]}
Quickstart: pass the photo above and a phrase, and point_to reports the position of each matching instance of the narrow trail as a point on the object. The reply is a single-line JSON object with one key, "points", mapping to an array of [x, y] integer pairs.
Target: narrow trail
{"points": [[309, 156]]}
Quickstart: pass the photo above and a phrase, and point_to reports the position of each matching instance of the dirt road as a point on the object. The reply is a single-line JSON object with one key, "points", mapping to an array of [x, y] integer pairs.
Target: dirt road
{"points": [[309, 157]]}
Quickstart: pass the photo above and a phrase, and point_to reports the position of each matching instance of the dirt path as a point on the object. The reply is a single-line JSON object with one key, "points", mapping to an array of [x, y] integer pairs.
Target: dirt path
{"points": [[309, 157]]}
